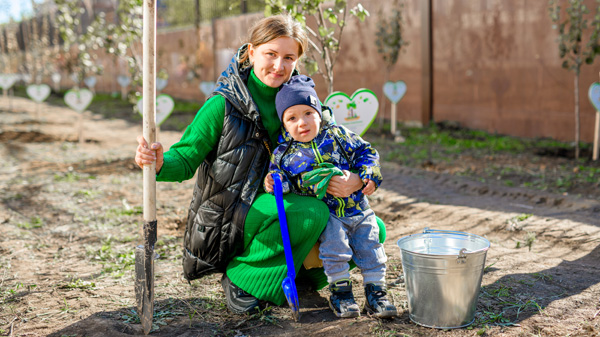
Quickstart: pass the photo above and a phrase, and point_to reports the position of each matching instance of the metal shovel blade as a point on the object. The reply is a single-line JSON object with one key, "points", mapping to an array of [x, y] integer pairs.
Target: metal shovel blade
{"points": [[289, 283], [144, 277]]}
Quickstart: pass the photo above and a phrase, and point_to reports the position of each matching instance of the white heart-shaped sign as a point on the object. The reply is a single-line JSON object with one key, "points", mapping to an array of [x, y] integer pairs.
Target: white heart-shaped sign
{"points": [[56, 77], [90, 81], [164, 107], [26, 78], [7, 81], [594, 94], [78, 100], [161, 83], [355, 113], [123, 80], [38, 92], [394, 91], [207, 88]]}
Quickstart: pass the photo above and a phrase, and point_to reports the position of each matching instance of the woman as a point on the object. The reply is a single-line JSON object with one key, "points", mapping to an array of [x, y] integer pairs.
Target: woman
{"points": [[230, 142]]}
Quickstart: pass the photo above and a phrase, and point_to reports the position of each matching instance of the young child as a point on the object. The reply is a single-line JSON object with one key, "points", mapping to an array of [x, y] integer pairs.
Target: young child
{"points": [[311, 150]]}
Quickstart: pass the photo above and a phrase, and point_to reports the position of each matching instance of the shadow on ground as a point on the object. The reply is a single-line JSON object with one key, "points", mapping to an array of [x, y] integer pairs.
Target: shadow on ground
{"points": [[517, 297]]}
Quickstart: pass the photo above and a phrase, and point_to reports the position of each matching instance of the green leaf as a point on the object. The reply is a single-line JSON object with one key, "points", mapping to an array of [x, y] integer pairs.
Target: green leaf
{"points": [[311, 67], [323, 31], [333, 18], [360, 12], [340, 5]]}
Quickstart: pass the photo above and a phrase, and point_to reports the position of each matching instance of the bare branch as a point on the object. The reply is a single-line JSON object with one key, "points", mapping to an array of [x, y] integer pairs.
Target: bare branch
{"points": [[315, 47], [339, 39], [312, 32], [327, 56]]}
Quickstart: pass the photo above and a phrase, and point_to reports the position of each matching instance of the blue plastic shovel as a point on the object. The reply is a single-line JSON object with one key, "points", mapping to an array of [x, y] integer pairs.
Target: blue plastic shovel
{"points": [[289, 283]]}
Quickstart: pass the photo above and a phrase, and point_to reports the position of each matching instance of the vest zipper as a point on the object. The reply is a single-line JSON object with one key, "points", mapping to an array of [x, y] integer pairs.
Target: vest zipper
{"points": [[268, 147]]}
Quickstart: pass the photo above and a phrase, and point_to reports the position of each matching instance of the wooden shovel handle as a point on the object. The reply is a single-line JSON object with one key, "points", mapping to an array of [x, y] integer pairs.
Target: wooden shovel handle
{"points": [[149, 104]]}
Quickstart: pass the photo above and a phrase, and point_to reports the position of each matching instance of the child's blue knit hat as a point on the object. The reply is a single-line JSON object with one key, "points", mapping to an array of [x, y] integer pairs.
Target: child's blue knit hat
{"points": [[299, 90]]}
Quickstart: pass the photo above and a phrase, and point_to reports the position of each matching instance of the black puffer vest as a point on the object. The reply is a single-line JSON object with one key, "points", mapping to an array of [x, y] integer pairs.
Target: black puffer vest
{"points": [[228, 180]]}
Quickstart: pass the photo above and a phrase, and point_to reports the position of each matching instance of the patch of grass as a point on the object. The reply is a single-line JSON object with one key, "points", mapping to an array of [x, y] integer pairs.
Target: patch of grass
{"points": [[502, 291], [542, 276], [523, 217], [115, 260], [530, 239], [126, 239], [487, 268], [444, 147], [125, 211], [502, 304], [78, 284], [13, 290], [11, 294], [516, 223], [86, 193], [381, 330], [71, 177], [168, 247], [66, 308], [34, 222], [492, 317], [164, 312]]}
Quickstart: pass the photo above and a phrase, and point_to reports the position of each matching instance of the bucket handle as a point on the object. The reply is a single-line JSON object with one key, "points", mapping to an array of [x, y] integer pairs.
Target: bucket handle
{"points": [[462, 256], [429, 230]]}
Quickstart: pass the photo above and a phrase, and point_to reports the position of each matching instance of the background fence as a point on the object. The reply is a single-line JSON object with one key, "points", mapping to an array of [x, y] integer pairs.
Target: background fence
{"points": [[495, 63]]}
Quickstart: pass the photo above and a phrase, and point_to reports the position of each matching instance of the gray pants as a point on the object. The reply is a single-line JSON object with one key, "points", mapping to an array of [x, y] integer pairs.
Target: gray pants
{"points": [[357, 238]]}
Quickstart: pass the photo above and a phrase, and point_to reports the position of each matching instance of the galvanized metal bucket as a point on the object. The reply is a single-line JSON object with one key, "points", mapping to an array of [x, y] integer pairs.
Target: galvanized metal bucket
{"points": [[442, 273]]}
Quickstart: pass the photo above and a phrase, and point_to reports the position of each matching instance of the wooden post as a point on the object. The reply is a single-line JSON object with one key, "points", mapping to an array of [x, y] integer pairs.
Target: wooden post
{"points": [[214, 47], [80, 126], [427, 62], [123, 93], [596, 135], [393, 128]]}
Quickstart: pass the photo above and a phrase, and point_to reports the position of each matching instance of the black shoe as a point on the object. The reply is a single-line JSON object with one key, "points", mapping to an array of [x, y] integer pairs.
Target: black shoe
{"points": [[342, 301], [238, 301], [376, 303]]}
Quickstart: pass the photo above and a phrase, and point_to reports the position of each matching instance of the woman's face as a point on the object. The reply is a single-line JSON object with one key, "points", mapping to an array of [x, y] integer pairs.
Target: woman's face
{"points": [[275, 60]]}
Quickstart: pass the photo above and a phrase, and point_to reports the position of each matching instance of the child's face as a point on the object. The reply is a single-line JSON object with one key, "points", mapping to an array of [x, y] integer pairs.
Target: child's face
{"points": [[302, 122]]}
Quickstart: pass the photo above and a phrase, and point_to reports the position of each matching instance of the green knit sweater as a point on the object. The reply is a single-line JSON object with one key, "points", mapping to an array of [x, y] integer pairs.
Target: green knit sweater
{"points": [[261, 267]]}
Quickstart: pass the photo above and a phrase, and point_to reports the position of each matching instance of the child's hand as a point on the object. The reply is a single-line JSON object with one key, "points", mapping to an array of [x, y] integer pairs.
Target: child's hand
{"points": [[269, 182], [370, 188]]}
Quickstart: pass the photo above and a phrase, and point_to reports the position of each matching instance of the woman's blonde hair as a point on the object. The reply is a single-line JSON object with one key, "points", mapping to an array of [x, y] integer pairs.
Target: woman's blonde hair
{"points": [[273, 27]]}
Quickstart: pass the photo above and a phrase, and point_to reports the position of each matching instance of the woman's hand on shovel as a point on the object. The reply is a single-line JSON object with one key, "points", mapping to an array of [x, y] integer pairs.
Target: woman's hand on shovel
{"points": [[146, 156]]}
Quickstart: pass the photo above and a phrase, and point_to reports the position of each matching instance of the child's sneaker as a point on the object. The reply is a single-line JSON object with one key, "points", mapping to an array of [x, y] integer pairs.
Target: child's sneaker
{"points": [[342, 301], [376, 303]]}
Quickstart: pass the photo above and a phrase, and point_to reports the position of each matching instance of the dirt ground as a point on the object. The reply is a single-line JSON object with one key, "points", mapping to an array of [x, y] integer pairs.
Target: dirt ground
{"points": [[71, 217]]}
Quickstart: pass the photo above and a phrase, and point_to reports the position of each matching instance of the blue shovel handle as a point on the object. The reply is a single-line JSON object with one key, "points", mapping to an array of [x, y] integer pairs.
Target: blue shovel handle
{"points": [[288, 284]]}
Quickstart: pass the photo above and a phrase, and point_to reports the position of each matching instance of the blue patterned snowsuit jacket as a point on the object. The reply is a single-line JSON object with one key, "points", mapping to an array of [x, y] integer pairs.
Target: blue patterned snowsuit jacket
{"points": [[334, 144]]}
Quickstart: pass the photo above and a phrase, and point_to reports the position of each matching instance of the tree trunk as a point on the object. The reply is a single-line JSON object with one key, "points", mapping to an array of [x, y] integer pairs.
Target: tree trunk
{"points": [[386, 77], [329, 81], [576, 115]]}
